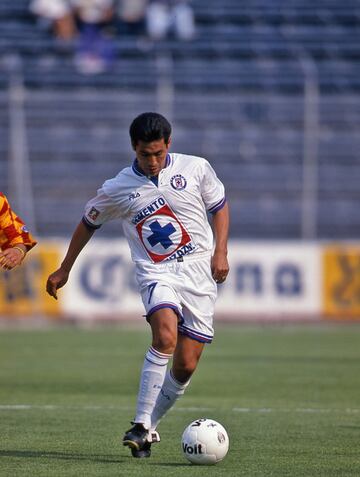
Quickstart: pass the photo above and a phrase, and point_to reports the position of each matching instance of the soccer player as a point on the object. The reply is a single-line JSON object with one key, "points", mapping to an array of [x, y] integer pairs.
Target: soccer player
{"points": [[163, 199], [15, 240]]}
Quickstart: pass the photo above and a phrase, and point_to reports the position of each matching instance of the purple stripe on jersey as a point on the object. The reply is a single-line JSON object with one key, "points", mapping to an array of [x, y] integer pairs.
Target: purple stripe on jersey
{"points": [[138, 171], [135, 168], [193, 335], [89, 225], [218, 206]]}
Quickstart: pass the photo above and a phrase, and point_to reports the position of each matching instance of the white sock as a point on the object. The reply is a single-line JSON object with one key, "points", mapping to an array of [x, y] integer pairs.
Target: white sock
{"points": [[152, 378], [170, 392]]}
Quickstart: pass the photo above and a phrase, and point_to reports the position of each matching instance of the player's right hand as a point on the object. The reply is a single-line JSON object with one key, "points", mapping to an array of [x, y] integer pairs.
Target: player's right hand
{"points": [[55, 281]]}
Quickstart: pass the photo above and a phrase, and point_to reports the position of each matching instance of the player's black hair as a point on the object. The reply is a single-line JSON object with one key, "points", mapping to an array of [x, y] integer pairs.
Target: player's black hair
{"points": [[148, 127]]}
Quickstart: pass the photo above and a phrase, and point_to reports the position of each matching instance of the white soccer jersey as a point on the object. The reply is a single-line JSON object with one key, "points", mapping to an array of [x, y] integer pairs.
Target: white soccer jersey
{"points": [[163, 219]]}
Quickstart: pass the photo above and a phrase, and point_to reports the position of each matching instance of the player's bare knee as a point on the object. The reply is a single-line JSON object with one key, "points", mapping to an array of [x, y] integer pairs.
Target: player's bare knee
{"points": [[165, 342]]}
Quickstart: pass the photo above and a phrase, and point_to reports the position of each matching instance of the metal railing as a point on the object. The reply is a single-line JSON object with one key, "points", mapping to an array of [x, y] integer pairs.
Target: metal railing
{"points": [[62, 144]]}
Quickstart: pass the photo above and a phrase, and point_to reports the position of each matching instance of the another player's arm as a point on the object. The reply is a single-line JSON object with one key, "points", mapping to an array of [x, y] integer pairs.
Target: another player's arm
{"points": [[13, 256], [58, 279], [15, 239], [219, 261]]}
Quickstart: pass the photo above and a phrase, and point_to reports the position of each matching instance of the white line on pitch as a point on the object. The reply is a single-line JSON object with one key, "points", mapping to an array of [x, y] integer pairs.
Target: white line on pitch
{"points": [[264, 410], [296, 410]]}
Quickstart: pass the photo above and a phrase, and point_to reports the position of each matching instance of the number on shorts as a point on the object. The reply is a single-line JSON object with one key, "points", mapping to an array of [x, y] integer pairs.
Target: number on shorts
{"points": [[151, 289]]}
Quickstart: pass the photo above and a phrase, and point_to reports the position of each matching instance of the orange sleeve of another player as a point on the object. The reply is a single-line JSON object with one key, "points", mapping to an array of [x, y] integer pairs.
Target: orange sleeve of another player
{"points": [[13, 231]]}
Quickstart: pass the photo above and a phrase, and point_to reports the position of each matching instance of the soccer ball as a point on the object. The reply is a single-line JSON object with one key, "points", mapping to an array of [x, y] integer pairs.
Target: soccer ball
{"points": [[205, 442]]}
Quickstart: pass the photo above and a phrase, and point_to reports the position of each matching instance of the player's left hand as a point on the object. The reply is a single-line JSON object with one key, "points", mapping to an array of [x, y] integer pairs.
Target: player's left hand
{"points": [[55, 281], [219, 266], [11, 258]]}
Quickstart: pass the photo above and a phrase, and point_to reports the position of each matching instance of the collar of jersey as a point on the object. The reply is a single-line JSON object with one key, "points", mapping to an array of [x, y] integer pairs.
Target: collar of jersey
{"points": [[136, 169]]}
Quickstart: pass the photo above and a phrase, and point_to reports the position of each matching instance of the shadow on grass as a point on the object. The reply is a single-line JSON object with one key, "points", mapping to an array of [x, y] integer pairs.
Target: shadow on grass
{"points": [[104, 459], [170, 464]]}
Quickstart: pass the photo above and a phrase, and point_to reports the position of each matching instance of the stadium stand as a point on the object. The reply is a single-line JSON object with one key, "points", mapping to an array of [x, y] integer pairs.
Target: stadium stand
{"points": [[235, 94]]}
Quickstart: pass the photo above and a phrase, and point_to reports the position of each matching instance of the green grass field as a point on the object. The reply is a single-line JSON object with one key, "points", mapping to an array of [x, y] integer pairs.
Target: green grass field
{"points": [[288, 396]]}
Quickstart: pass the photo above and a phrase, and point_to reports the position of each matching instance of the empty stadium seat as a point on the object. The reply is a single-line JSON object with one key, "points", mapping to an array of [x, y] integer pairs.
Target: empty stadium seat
{"points": [[235, 95]]}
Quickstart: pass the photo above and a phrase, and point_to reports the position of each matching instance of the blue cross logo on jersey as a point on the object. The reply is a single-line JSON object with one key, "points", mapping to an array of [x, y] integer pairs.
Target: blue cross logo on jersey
{"points": [[161, 234]]}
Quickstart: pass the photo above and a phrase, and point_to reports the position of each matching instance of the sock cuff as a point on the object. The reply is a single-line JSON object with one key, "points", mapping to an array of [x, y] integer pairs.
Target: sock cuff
{"points": [[176, 383], [154, 356]]}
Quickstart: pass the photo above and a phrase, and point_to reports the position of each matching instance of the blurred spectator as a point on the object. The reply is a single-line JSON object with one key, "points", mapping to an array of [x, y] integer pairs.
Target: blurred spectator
{"points": [[87, 23], [132, 14], [165, 15]]}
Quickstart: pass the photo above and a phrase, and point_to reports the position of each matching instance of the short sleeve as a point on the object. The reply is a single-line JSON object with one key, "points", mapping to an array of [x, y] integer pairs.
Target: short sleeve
{"points": [[13, 229], [100, 209], [212, 189]]}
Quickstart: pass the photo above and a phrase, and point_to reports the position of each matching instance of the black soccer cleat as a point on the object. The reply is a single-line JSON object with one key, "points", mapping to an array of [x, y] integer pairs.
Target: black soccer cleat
{"points": [[145, 451], [136, 437], [139, 440]]}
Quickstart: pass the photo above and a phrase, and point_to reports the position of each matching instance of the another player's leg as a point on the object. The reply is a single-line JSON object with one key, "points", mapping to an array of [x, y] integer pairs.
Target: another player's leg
{"points": [[164, 330], [185, 360]]}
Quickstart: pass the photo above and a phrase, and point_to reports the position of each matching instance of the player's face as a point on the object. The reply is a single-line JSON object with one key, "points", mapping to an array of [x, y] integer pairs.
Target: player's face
{"points": [[151, 156]]}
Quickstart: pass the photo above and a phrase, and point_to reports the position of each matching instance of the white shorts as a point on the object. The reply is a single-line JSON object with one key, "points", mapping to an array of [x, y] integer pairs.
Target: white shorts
{"points": [[187, 287]]}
